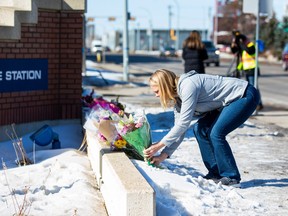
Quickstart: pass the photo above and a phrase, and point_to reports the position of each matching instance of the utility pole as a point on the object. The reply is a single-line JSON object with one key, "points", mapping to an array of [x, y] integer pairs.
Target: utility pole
{"points": [[177, 30], [209, 25], [257, 46], [150, 33], [125, 43], [215, 23], [169, 18]]}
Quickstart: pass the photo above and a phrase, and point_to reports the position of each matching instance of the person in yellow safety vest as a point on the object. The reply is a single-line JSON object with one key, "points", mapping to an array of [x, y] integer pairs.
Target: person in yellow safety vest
{"points": [[245, 51], [248, 61]]}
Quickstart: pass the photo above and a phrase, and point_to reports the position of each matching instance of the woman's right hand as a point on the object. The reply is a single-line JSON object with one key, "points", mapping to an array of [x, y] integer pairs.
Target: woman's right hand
{"points": [[156, 160]]}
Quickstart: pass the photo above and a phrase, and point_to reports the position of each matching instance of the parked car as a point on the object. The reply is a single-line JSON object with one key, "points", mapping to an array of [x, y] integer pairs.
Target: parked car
{"points": [[285, 58], [97, 48], [213, 54], [168, 52]]}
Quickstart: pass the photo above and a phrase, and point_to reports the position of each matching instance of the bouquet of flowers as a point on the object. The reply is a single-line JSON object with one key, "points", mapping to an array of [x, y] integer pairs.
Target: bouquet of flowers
{"points": [[135, 130], [113, 106], [122, 131]]}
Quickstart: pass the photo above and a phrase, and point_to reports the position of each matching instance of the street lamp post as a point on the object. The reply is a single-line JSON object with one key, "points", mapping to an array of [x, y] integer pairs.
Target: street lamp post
{"points": [[150, 33], [125, 43], [215, 31], [169, 17]]}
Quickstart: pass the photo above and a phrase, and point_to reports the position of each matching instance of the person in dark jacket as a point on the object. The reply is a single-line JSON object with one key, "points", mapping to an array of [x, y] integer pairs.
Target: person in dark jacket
{"points": [[194, 53]]}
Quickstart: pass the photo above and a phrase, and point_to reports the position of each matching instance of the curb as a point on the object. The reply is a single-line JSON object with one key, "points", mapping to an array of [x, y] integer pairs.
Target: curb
{"points": [[124, 189]]}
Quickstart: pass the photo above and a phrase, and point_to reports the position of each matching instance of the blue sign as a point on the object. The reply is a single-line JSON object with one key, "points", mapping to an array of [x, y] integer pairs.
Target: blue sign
{"points": [[23, 75], [261, 45]]}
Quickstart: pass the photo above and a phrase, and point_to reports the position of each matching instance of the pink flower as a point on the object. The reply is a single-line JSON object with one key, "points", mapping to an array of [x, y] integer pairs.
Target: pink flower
{"points": [[125, 129], [101, 137], [105, 105], [138, 124]]}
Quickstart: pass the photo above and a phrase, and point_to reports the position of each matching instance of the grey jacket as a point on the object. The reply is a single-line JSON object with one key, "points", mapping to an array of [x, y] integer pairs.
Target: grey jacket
{"points": [[200, 93]]}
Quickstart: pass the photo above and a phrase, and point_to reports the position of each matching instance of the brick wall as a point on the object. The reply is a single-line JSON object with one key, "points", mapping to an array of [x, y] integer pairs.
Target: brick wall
{"points": [[57, 37]]}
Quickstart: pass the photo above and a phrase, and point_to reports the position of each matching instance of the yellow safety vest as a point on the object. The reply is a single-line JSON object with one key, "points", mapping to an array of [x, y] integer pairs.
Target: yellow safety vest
{"points": [[248, 61]]}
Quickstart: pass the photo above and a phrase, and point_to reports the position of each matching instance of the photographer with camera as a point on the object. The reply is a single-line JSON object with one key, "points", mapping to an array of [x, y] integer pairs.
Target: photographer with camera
{"points": [[245, 51]]}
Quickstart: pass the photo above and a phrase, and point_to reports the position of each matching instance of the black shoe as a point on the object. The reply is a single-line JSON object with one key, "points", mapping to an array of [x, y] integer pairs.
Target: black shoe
{"points": [[259, 107], [212, 176], [230, 182]]}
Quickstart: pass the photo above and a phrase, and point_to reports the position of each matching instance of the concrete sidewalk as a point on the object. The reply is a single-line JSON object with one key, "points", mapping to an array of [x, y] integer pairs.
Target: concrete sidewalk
{"points": [[277, 116], [142, 95]]}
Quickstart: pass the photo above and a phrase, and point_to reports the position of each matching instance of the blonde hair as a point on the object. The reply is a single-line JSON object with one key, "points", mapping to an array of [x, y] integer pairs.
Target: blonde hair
{"points": [[167, 82], [193, 41]]}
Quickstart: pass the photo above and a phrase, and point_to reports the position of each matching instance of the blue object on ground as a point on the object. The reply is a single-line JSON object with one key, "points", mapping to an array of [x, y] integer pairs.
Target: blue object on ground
{"points": [[44, 136]]}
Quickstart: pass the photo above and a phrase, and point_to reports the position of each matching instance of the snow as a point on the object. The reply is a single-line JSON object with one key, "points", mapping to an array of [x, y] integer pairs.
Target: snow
{"points": [[261, 155], [61, 181]]}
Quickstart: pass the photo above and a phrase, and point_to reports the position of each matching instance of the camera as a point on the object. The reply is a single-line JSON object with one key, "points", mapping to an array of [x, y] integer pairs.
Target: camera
{"points": [[238, 37], [235, 33]]}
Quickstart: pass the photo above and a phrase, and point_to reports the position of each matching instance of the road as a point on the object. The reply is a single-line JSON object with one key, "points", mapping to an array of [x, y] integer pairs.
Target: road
{"points": [[272, 83]]}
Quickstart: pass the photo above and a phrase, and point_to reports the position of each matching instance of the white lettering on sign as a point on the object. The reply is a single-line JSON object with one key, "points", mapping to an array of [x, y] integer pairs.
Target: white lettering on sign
{"points": [[23, 75], [0, 75]]}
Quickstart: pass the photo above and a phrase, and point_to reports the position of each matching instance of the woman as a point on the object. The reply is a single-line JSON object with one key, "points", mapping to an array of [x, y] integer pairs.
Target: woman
{"points": [[221, 104], [194, 53]]}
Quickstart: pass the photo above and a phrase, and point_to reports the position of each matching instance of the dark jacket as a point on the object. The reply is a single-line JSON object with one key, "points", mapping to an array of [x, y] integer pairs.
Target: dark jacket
{"points": [[193, 59]]}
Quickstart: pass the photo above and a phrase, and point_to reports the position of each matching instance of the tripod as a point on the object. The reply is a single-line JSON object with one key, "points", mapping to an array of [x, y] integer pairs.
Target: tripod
{"points": [[233, 72]]}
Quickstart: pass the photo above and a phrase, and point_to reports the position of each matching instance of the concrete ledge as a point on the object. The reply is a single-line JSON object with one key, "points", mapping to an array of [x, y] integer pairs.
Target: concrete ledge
{"points": [[62, 4], [8, 9], [74, 5], [7, 17], [95, 152], [28, 17], [16, 4], [124, 189], [10, 33]]}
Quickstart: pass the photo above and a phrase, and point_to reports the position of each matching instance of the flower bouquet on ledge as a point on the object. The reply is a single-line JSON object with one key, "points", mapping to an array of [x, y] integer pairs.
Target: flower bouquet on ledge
{"points": [[127, 132], [135, 130]]}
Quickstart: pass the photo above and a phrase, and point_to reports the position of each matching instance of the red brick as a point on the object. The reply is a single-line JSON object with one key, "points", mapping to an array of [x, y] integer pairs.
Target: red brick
{"points": [[64, 57]]}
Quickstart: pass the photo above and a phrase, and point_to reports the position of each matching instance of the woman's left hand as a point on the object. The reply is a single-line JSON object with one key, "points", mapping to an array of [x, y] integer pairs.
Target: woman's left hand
{"points": [[153, 149]]}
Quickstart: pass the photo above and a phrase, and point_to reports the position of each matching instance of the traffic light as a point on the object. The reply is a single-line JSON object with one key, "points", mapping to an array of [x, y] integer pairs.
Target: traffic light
{"points": [[111, 18], [90, 19], [129, 17], [172, 34]]}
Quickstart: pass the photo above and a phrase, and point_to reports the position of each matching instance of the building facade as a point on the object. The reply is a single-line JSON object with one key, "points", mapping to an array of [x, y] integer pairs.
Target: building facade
{"points": [[41, 62], [142, 39]]}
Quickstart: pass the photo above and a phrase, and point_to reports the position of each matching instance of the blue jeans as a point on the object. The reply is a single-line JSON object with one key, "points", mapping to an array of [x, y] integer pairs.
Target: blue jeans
{"points": [[211, 131], [250, 78]]}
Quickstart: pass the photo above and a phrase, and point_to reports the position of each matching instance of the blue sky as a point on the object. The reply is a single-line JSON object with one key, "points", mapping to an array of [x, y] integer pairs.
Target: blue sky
{"points": [[194, 14]]}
